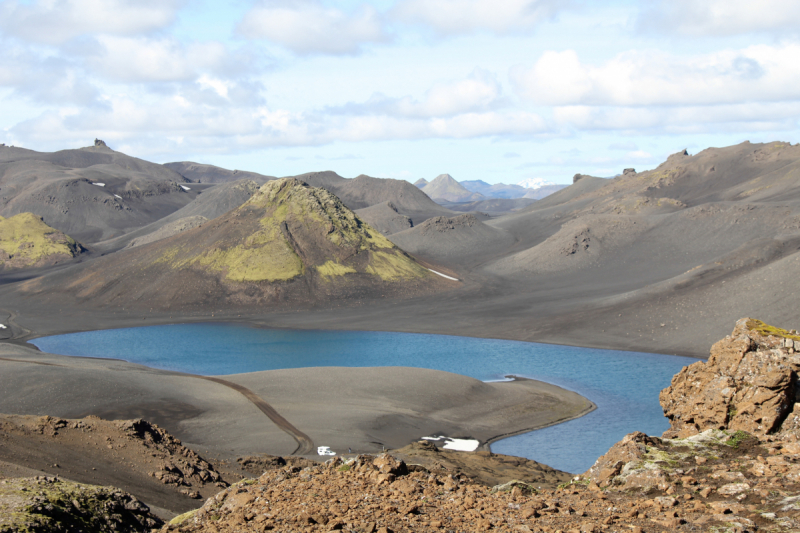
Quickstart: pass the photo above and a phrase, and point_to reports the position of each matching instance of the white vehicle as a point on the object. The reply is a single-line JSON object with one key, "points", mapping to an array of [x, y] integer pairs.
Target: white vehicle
{"points": [[325, 450]]}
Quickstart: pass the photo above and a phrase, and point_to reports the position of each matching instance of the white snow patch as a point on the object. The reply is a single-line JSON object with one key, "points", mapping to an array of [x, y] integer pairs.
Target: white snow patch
{"points": [[443, 275], [325, 450], [461, 445], [118, 196], [534, 183], [2, 326], [99, 184], [185, 188]]}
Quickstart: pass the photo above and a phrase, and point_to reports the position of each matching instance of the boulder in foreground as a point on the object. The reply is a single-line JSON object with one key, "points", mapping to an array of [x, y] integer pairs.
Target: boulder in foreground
{"points": [[749, 383]]}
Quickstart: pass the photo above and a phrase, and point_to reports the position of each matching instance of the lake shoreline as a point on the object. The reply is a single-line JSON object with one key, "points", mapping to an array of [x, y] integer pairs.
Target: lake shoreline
{"points": [[615, 417], [417, 401], [49, 326]]}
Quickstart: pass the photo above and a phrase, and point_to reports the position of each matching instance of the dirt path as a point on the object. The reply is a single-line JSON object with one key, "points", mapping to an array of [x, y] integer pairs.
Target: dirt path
{"points": [[14, 330], [305, 446]]}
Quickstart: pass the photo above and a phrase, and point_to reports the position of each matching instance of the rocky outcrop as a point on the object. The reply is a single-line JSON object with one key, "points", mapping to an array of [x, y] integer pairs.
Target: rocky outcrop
{"points": [[46, 504], [749, 383], [183, 467], [715, 480], [447, 224]]}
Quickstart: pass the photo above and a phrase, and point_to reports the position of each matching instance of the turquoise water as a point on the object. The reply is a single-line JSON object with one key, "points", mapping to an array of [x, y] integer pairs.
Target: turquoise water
{"points": [[624, 385]]}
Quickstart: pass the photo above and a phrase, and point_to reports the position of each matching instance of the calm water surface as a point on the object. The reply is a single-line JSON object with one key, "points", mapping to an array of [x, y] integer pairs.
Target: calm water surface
{"points": [[624, 385]]}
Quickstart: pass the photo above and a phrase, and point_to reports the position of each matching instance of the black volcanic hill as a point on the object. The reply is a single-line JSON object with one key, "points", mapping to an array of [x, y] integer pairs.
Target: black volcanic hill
{"points": [[92, 193], [491, 206], [288, 243], [658, 259], [201, 173], [365, 191], [214, 202]]}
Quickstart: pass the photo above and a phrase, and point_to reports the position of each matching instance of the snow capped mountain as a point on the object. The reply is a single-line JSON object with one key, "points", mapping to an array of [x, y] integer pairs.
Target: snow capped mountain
{"points": [[534, 183]]}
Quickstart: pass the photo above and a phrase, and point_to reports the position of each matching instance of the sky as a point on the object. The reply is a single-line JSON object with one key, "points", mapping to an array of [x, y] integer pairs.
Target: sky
{"points": [[496, 90]]}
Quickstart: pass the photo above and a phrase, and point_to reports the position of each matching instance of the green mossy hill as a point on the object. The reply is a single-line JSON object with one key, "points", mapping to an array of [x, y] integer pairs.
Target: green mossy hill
{"points": [[765, 330], [44, 504], [26, 241], [289, 230]]}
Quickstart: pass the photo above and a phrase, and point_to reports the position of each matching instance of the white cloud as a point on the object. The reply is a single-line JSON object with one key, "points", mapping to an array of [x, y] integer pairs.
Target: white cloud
{"points": [[639, 154], [151, 124], [43, 78], [219, 86], [466, 16], [721, 17], [308, 27], [770, 116], [480, 91], [648, 77], [130, 59], [283, 128], [627, 145], [56, 21]]}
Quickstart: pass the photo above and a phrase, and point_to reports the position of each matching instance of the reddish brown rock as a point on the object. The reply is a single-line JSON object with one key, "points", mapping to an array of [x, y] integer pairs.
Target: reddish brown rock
{"points": [[631, 449], [748, 384]]}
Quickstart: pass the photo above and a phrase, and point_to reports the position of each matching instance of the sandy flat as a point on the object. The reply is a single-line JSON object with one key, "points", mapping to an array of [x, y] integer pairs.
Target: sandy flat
{"points": [[364, 409], [367, 409]]}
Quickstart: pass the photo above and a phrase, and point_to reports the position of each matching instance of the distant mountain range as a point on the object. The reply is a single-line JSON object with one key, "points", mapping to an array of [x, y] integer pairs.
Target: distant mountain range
{"points": [[450, 190]]}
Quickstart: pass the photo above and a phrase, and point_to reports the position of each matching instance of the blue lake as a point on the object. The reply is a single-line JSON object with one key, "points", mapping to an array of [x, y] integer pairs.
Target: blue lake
{"points": [[624, 385]]}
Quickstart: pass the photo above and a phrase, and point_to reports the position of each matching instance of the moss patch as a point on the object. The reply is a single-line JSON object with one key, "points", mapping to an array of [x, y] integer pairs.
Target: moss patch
{"points": [[737, 438], [332, 268], [26, 241], [766, 330], [181, 518], [393, 266]]}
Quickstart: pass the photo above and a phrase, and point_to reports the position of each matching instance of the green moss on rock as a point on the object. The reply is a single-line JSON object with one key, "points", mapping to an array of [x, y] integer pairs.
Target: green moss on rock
{"points": [[26, 242], [288, 228], [765, 330]]}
